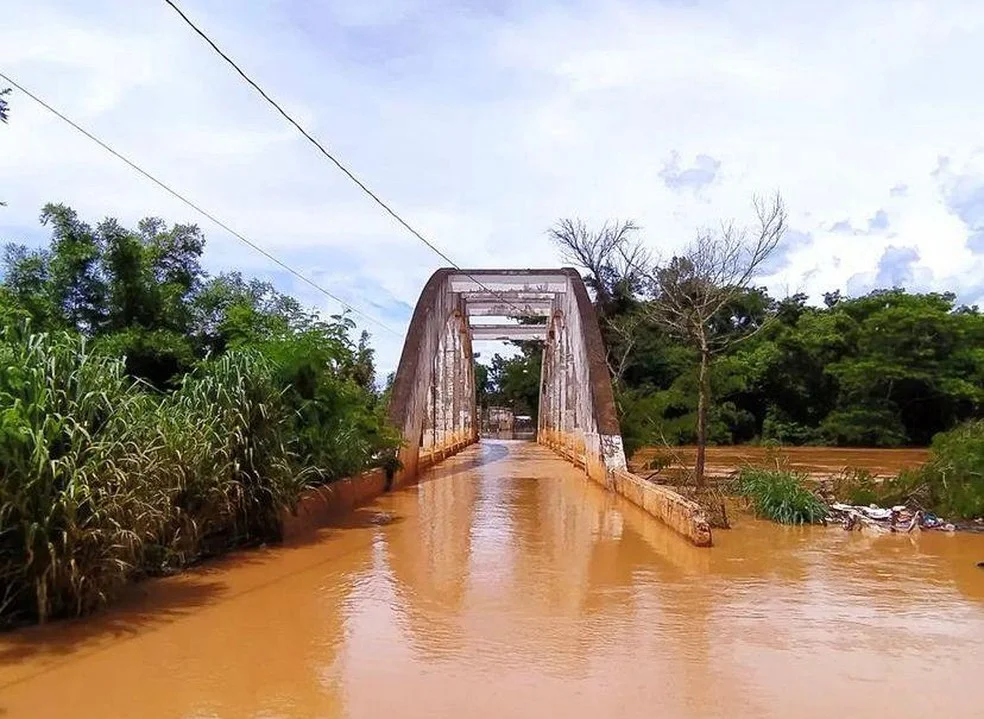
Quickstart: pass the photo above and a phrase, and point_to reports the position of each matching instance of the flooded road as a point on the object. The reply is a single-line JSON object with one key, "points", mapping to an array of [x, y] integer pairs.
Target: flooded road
{"points": [[507, 585]]}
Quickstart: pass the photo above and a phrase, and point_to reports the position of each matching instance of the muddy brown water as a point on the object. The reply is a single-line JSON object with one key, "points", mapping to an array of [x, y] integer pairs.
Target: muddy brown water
{"points": [[507, 585], [816, 462]]}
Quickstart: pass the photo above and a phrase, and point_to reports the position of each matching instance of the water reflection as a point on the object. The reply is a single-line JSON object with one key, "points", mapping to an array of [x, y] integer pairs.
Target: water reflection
{"points": [[505, 584]]}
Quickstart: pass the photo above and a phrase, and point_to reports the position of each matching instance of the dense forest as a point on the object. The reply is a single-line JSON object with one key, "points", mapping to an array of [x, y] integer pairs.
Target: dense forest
{"points": [[151, 414], [887, 369]]}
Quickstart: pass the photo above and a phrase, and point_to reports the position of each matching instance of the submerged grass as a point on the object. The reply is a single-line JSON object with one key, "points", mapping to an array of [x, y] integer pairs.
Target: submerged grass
{"points": [[780, 495]]}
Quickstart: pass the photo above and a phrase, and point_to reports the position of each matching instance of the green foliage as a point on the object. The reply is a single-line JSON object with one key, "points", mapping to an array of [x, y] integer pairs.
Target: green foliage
{"points": [[158, 357], [74, 504], [887, 369], [858, 486], [950, 484], [779, 495], [338, 427], [955, 472], [150, 415], [514, 382], [226, 464]]}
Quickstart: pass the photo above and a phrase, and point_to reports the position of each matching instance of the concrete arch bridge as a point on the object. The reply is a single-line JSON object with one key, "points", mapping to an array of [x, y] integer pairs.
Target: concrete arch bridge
{"points": [[433, 399]]}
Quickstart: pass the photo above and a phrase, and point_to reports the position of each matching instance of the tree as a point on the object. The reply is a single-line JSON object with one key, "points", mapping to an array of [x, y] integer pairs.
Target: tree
{"points": [[514, 382], [616, 262], [76, 284], [482, 387], [697, 295]]}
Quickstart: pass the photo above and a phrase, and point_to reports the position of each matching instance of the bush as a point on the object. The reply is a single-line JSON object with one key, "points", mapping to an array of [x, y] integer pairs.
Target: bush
{"points": [[338, 427], [951, 483], [857, 486], [779, 495]]}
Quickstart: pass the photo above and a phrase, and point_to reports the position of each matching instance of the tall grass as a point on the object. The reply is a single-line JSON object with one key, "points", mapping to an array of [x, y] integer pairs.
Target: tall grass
{"points": [[103, 480], [223, 459], [780, 495], [74, 513]]}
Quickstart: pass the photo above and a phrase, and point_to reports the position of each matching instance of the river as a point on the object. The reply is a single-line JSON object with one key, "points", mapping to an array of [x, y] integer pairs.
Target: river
{"points": [[505, 584], [814, 462]]}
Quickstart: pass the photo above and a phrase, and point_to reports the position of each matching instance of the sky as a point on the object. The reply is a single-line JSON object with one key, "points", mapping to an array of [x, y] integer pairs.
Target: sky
{"points": [[483, 123]]}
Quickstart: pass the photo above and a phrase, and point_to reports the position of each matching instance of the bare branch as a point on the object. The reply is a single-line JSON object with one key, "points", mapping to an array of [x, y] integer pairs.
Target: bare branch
{"points": [[611, 256]]}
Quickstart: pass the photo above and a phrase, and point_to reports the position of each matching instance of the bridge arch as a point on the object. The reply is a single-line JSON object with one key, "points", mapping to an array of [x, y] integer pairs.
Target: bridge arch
{"points": [[433, 396]]}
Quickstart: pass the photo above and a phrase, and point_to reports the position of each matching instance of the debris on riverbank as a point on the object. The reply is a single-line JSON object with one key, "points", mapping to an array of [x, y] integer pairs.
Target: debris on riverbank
{"points": [[886, 519]]}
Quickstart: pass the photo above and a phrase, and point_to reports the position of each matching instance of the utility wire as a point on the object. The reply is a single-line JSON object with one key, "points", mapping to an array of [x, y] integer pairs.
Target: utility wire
{"points": [[348, 173], [195, 207]]}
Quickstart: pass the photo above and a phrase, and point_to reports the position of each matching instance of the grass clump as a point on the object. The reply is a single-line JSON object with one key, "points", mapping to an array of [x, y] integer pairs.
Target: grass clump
{"points": [[779, 495]]}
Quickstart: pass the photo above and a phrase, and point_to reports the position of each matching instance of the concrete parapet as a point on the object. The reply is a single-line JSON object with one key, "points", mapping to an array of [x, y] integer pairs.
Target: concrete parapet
{"points": [[318, 504], [677, 512]]}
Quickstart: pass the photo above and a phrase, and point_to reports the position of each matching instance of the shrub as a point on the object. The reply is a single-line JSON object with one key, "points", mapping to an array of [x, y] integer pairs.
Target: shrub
{"points": [[952, 481], [950, 484], [779, 495], [338, 427], [857, 486]]}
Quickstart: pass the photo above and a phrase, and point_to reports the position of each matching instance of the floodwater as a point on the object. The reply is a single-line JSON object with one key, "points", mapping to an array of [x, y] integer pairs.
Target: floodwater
{"points": [[816, 462], [507, 585]]}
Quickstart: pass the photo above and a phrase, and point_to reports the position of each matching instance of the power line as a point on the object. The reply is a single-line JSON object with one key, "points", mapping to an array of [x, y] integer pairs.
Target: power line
{"points": [[348, 173], [195, 207]]}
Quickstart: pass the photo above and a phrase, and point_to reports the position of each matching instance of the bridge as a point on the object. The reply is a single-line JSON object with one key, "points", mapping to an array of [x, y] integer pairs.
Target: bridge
{"points": [[433, 400]]}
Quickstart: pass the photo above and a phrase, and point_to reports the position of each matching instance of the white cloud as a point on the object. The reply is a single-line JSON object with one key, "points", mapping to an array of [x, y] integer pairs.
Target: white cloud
{"points": [[484, 127]]}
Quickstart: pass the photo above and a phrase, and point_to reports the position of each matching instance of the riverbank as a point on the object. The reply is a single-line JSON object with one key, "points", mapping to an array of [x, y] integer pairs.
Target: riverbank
{"points": [[938, 487]]}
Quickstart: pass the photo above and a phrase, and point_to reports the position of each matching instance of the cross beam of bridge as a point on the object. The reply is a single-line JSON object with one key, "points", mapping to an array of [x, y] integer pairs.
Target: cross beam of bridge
{"points": [[508, 332], [496, 282], [508, 308]]}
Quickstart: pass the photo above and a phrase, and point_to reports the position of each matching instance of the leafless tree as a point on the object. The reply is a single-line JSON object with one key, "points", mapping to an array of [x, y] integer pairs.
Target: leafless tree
{"points": [[615, 260], [691, 294], [622, 331]]}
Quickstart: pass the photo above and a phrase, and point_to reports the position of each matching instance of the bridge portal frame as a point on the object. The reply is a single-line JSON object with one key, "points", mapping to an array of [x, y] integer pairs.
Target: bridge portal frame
{"points": [[433, 395]]}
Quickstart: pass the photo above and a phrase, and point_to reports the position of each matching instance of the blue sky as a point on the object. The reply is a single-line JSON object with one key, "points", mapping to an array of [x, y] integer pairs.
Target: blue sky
{"points": [[485, 122]]}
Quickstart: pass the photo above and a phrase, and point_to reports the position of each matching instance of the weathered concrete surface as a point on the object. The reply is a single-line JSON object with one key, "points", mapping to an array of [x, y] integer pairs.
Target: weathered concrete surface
{"points": [[433, 400], [578, 417], [677, 512]]}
